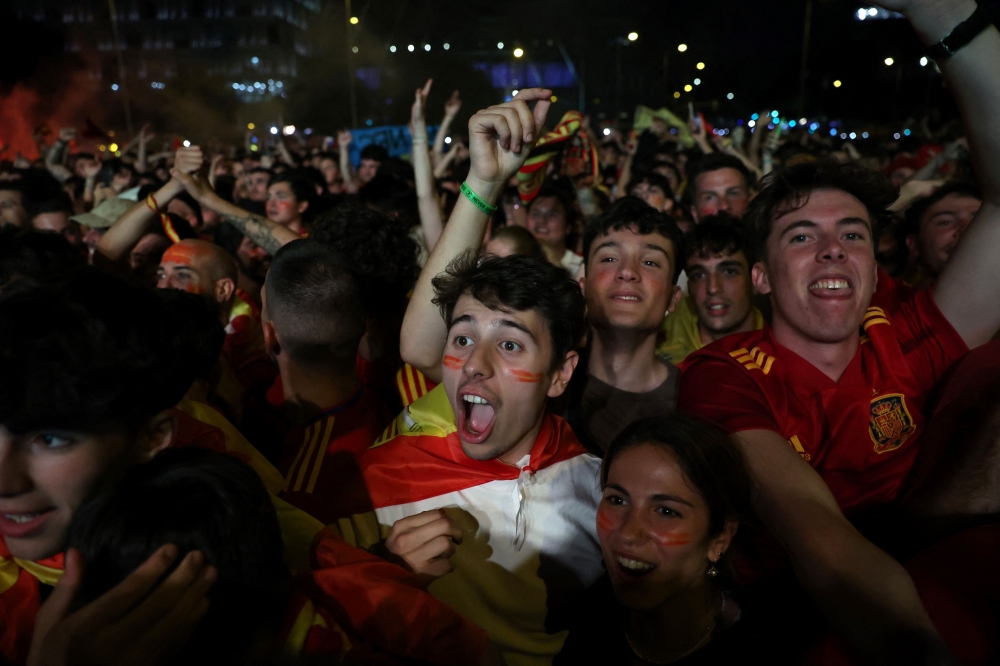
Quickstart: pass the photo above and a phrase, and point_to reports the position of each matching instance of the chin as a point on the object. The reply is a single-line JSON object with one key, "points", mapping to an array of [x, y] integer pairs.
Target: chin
{"points": [[482, 451]]}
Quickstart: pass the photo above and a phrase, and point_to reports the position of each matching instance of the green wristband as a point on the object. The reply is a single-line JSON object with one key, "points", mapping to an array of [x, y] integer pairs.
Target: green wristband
{"points": [[478, 202]]}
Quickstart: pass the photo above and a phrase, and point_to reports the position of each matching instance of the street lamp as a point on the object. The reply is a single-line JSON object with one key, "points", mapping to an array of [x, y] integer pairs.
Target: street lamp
{"points": [[682, 47], [354, 20], [518, 52], [888, 62], [837, 83], [632, 36]]}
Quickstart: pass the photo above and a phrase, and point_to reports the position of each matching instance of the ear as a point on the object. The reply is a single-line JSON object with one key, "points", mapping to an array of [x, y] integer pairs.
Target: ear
{"points": [[271, 343], [303, 207], [694, 214], [562, 375], [913, 246], [158, 436], [675, 299], [721, 543], [224, 290], [668, 205], [761, 283]]}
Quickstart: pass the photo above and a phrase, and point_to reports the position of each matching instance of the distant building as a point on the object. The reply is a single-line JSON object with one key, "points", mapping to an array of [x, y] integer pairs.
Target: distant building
{"points": [[253, 45]]}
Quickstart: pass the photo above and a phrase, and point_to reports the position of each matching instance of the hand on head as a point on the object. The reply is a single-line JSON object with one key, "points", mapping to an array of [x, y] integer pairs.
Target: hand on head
{"points": [[140, 621]]}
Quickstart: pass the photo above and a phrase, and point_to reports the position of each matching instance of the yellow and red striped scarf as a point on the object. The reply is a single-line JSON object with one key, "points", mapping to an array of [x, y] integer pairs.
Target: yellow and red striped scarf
{"points": [[580, 155]]}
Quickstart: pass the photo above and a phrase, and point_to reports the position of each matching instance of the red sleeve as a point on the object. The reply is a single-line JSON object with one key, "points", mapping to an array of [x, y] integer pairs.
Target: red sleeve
{"points": [[384, 604], [723, 393], [929, 342]]}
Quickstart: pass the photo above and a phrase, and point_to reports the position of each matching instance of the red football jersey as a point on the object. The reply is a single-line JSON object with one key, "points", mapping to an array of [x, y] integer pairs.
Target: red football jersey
{"points": [[862, 433], [319, 459]]}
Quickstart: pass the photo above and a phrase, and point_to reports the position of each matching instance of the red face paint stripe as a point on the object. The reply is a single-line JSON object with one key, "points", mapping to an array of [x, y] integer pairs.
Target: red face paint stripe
{"points": [[525, 376], [672, 539], [604, 521], [452, 362]]}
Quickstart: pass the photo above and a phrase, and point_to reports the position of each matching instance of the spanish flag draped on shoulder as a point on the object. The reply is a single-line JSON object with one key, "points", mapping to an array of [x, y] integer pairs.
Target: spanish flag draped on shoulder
{"points": [[530, 544]]}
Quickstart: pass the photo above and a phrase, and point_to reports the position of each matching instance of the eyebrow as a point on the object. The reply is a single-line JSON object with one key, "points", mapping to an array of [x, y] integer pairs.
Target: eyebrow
{"points": [[616, 244], [659, 497], [506, 323], [809, 224]]}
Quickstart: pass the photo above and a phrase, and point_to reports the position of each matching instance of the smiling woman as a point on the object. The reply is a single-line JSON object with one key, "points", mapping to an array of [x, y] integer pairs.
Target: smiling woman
{"points": [[675, 492]]}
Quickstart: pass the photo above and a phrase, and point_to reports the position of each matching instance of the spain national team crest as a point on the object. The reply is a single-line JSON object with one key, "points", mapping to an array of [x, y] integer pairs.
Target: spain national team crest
{"points": [[890, 424]]}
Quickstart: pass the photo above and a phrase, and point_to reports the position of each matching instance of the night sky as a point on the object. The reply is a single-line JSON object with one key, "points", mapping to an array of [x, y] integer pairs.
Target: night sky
{"points": [[751, 49]]}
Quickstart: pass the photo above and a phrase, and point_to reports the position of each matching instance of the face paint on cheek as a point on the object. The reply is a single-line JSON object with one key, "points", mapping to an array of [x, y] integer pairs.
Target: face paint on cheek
{"points": [[525, 376], [605, 521], [452, 362], [671, 538]]}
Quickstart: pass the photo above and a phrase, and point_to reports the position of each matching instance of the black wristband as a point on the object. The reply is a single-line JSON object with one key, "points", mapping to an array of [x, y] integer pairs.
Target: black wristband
{"points": [[965, 31]]}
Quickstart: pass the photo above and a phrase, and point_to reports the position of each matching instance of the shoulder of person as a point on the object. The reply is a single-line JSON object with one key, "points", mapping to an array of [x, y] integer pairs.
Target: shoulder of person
{"points": [[429, 415]]}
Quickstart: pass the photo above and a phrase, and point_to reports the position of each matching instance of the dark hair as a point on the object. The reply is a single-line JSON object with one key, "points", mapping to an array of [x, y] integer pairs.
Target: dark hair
{"points": [[91, 353], [260, 169], [714, 162], [654, 180], [521, 239], [915, 214], [198, 500], [315, 305], [30, 258], [634, 213], [302, 188], [788, 189], [517, 283], [718, 234], [56, 204], [379, 251], [391, 196], [191, 203], [198, 340], [711, 462], [373, 151]]}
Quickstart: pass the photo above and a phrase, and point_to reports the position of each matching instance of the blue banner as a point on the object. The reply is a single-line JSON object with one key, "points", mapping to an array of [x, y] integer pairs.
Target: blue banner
{"points": [[394, 138]]}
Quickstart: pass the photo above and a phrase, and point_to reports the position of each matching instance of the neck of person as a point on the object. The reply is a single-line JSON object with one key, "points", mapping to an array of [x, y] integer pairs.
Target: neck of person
{"points": [[707, 336], [830, 358], [525, 445], [296, 225], [625, 359], [308, 392], [554, 251], [673, 629]]}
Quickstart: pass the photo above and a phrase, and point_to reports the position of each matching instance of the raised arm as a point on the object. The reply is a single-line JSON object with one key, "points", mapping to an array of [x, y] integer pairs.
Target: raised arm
{"points": [[500, 139], [130, 227], [451, 109], [262, 231], [346, 170], [968, 290], [423, 173], [866, 594]]}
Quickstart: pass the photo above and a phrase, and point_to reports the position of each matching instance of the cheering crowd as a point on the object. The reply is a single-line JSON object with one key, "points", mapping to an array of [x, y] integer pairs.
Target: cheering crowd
{"points": [[559, 394]]}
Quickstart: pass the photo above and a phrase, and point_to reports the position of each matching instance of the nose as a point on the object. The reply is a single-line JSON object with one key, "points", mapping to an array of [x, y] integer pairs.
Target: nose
{"points": [[714, 283], [479, 365], [14, 479], [833, 250], [633, 529], [628, 271]]}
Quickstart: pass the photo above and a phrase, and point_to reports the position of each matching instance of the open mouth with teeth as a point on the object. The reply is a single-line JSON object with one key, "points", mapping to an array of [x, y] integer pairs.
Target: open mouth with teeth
{"points": [[475, 419], [831, 287], [19, 525], [631, 567]]}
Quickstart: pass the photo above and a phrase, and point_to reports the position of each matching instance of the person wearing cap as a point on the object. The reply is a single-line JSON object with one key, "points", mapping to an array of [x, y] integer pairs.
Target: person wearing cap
{"points": [[94, 224]]}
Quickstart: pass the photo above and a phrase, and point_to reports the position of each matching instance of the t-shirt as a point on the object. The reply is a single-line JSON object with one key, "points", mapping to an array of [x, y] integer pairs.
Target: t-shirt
{"points": [[598, 411], [862, 433], [319, 457], [571, 261], [679, 334]]}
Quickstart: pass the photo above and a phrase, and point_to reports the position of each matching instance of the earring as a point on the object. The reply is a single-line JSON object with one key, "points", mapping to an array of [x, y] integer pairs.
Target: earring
{"points": [[712, 571]]}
